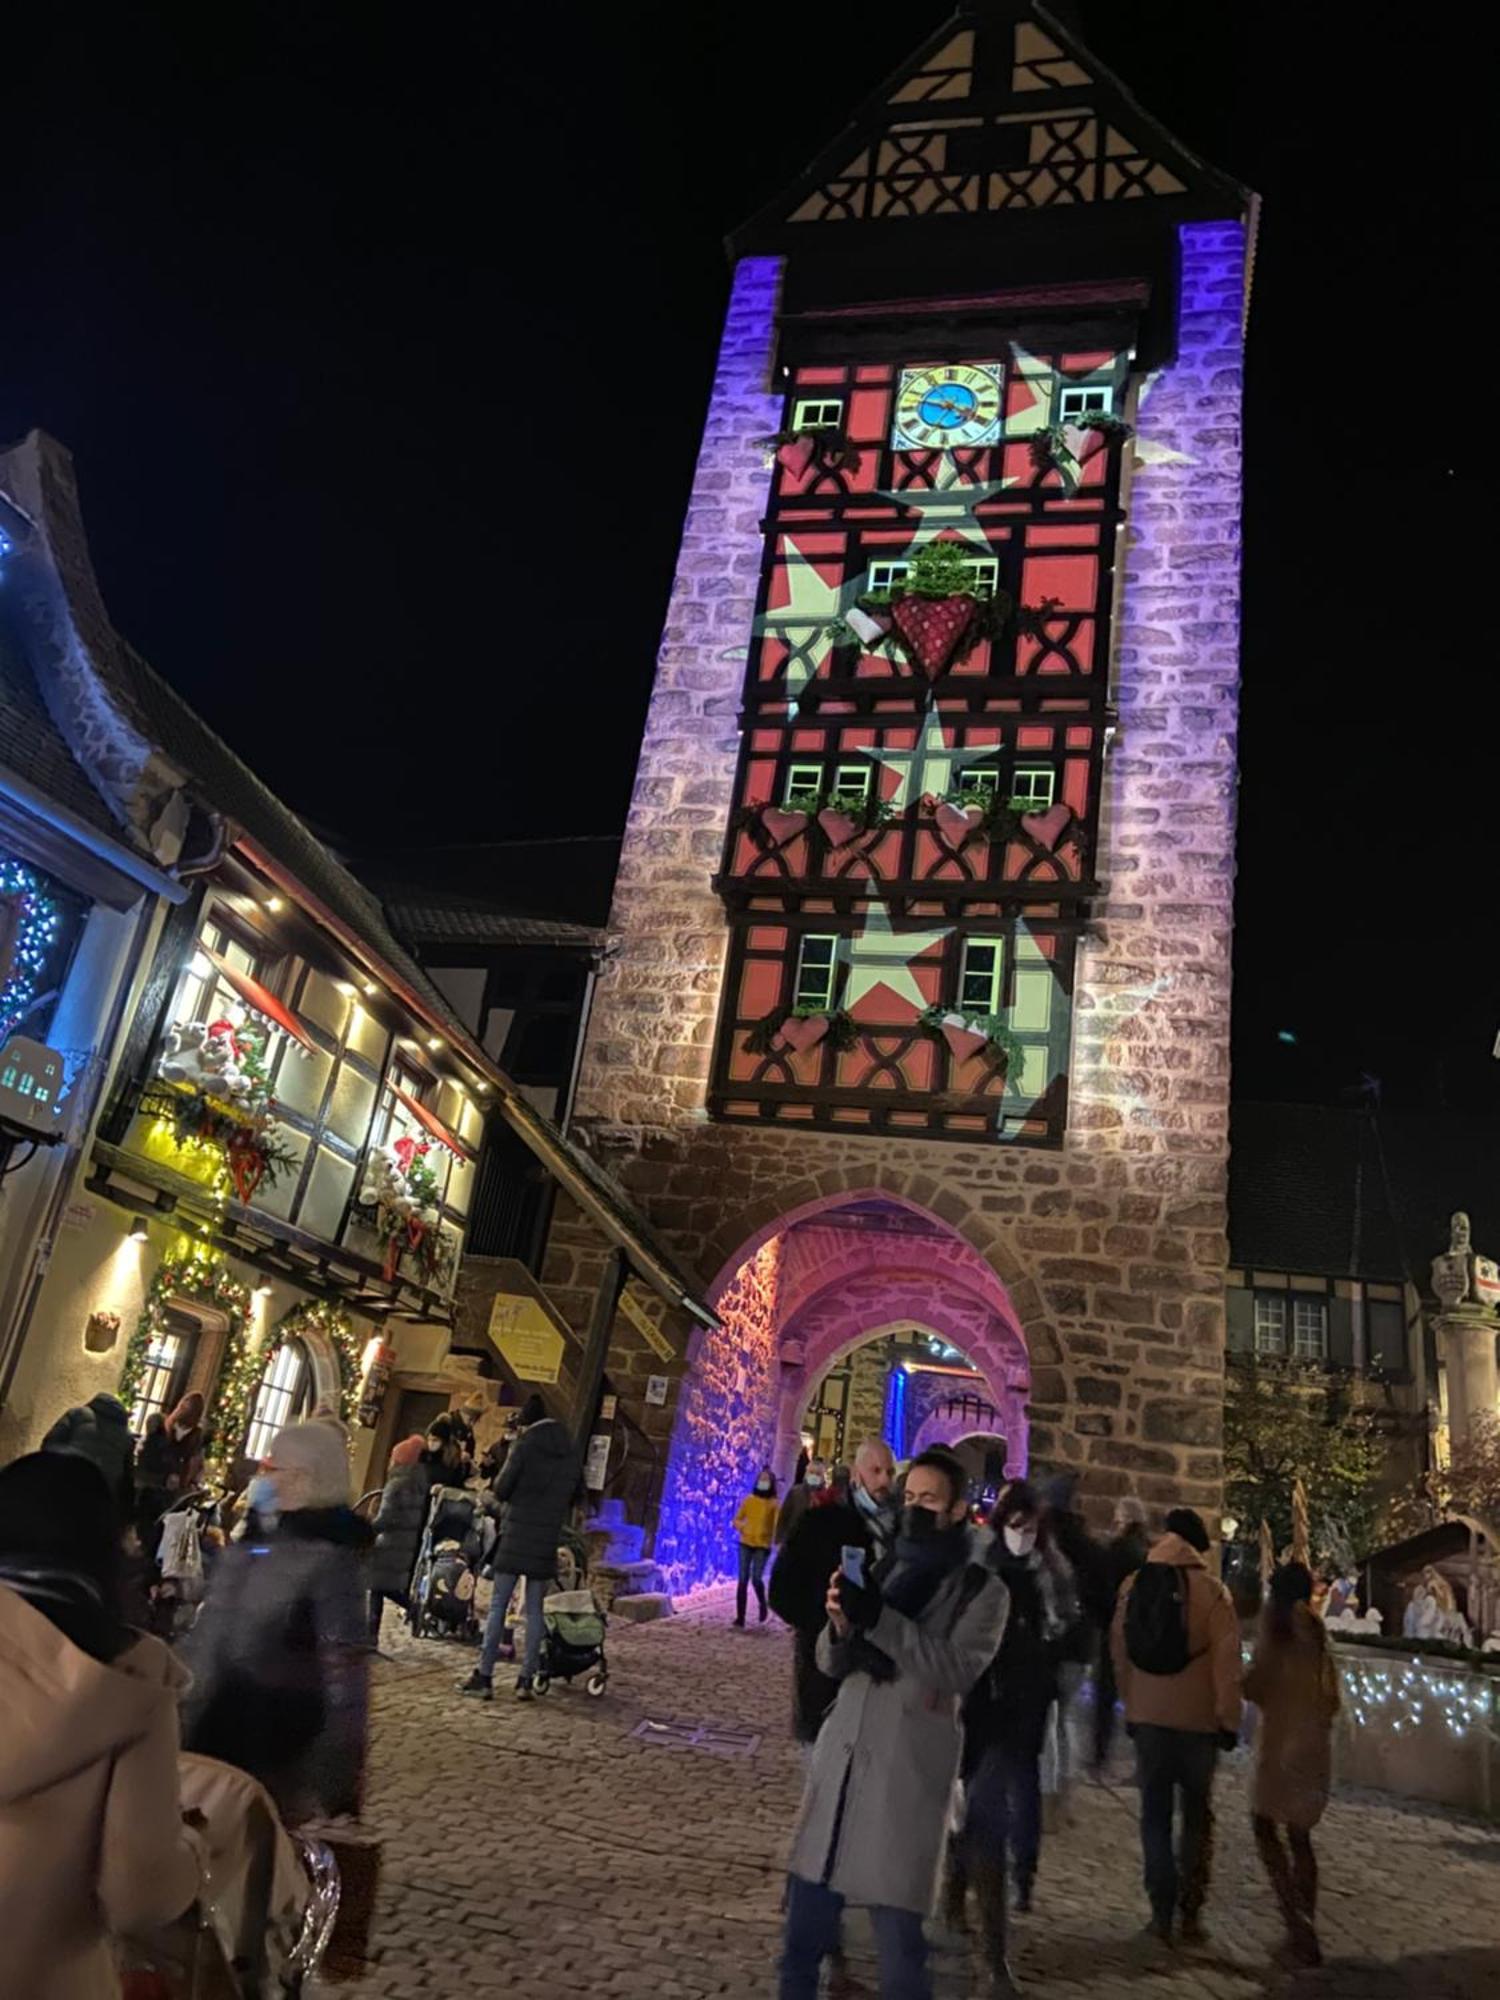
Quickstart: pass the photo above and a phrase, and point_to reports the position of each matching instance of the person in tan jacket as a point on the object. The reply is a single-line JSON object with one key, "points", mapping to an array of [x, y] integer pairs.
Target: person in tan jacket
{"points": [[92, 1844], [1176, 1648], [1294, 1683]]}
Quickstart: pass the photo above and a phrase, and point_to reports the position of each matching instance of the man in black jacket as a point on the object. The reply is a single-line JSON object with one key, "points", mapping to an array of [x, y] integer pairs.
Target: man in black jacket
{"points": [[859, 1515], [536, 1488]]}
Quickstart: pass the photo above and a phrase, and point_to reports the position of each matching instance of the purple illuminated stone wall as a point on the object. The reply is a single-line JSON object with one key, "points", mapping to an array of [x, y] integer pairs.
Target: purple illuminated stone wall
{"points": [[1112, 1250], [726, 1428]]}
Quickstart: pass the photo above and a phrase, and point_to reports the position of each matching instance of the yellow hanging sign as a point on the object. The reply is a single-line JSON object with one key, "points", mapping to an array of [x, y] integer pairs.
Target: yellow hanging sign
{"points": [[524, 1335], [646, 1327]]}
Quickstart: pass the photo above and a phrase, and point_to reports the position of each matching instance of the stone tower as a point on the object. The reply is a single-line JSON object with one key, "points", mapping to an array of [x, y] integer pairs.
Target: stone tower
{"points": [[918, 1029]]}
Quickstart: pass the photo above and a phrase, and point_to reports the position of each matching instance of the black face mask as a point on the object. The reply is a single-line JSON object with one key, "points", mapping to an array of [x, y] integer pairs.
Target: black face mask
{"points": [[920, 1524]]}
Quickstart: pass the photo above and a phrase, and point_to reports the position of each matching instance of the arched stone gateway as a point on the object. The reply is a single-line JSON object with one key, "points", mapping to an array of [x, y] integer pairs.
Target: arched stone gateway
{"points": [[799, 1296]]}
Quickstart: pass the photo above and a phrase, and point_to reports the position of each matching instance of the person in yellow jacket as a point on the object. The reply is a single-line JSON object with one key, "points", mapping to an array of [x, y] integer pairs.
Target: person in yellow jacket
{"points": [[755, 1525]]}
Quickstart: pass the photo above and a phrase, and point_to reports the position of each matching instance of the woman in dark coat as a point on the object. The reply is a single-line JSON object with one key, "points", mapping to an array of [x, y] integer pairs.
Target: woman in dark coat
{"points": [[279, 1653], [535, 1489], [1005, 1724], [398, 1529]]}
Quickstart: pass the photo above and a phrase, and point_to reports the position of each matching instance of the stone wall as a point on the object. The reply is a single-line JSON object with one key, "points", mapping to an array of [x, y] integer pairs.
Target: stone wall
{"points": [[1112, 1248]]}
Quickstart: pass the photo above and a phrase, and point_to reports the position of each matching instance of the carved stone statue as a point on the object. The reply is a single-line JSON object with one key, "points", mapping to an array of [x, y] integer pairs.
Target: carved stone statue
{"points": [[1462, 1281]]}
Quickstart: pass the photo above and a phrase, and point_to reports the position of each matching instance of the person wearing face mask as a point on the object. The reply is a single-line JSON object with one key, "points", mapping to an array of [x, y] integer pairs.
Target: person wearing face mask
{"points": [[279, 1653], [905, 1644], [1005, 1726], [755, 1527], [872, 1488]]}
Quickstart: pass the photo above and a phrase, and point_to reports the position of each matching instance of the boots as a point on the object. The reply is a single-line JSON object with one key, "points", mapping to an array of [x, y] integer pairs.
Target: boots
{"points": [[990, 1889]]}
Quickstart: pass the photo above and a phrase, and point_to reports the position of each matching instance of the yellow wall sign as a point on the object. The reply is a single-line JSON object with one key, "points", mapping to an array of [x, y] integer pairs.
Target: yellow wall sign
{"points": [[646, 1327], [526, 1338]]}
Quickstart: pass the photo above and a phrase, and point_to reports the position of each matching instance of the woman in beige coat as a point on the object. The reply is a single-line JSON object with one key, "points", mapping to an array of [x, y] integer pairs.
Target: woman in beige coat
{"points": [[92, 1845], [1293, 1681]]}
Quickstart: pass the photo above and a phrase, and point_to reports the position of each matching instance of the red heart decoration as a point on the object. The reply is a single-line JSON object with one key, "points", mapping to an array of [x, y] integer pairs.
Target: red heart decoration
{"points": [[1047, 827], [962, 1042], [782, 824], [795, 456], [933, 628], [840, 827], [803, 1031], [957, 823]]}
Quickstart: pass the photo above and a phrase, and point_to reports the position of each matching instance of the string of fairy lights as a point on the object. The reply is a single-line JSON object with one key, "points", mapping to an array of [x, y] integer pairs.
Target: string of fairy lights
{"points": [[1405, 1695]]}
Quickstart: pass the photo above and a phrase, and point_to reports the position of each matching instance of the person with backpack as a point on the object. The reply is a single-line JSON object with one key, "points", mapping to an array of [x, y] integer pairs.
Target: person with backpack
{"points": [[1294, 1683], [905, 1639], [1176, 1643], [1122, 1556]]}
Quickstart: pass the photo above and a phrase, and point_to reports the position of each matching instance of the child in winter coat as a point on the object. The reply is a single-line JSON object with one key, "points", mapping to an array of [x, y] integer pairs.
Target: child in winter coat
{"points": [[1294, 1683], [755, 1525]]}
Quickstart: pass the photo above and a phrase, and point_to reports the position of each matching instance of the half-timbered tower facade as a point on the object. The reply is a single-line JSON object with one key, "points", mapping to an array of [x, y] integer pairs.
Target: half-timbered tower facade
{"points": [[916, 1036]]}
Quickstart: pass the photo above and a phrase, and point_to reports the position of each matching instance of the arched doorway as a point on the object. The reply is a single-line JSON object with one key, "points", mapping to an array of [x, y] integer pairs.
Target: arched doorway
{"points": [[816, 1286]]}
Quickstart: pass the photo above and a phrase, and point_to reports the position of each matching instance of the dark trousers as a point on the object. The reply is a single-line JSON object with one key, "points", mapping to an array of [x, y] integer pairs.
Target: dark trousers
{"points": [[1172, 1763], [813, 1914], [1106, 1695], [1003, 1819], [752, 1571], [1294, 1876]]}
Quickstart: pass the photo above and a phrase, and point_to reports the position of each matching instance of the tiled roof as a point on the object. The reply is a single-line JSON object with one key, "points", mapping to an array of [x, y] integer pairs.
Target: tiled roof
{"points": [[32, 746], [1337, 1193], [418, 923]]}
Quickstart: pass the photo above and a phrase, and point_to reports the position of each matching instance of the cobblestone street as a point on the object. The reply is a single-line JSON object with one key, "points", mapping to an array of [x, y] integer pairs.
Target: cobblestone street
{"points": [[551, 1850]]}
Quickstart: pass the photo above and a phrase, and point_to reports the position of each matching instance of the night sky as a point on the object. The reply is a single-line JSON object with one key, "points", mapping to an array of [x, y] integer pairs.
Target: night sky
{"points": [[382, 340]]}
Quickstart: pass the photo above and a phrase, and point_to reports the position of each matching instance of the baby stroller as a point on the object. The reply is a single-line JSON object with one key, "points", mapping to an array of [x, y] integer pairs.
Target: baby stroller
{"points": [[573, 1642], [454, 1544]]}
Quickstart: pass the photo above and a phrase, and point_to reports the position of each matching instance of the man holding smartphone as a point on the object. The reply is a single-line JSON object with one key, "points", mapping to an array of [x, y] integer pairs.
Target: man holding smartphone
{"points": [[906, 1638]]}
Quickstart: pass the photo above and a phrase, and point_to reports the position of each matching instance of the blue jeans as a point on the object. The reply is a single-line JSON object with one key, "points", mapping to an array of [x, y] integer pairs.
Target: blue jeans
{"points": [[1169, 1761], [1003, 1815], [494, 1625], [813, 1913], [752, 1569]]}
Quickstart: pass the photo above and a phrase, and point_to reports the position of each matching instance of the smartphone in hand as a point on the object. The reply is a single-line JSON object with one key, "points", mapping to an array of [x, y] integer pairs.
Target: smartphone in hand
{"points": [[852, 1565]]}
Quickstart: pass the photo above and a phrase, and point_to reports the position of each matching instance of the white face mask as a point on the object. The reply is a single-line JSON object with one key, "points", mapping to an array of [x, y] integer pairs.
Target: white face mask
{"points": [[762, 1485], [814, 1480], [1020, 1541]]}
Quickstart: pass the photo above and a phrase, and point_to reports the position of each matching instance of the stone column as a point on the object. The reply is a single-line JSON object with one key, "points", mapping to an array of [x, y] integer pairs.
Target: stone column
{"points": [[1466, 1341]]}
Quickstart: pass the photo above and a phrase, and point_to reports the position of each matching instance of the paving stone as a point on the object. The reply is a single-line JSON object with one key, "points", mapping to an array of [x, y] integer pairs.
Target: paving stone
{"points": [[541, 1850]]}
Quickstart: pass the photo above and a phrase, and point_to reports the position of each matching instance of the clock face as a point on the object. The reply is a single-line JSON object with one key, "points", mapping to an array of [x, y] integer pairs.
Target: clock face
{"points": [[937, 408]]}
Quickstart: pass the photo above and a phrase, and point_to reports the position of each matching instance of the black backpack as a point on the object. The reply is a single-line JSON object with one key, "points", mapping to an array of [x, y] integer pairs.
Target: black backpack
{"points": [[1156, 1619]]}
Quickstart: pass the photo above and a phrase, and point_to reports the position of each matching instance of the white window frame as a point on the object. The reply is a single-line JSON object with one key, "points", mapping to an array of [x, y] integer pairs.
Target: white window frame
{"points": [[1309, 1326], [851, 784], [887, 572], [279, 1395], [817, 413], [159, 1366], [804, 785], [1023, 785], [1081, 411], [1270, 1324], [821, 997], [979, 779], [993, 976]]}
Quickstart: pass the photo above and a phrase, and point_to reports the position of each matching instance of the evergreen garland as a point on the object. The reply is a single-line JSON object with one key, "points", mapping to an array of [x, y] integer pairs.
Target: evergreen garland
{"points": [[193, 1274]]}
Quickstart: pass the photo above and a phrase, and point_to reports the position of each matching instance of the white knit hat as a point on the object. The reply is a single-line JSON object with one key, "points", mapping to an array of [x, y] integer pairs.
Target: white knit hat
{"points": [[319, 1453]]}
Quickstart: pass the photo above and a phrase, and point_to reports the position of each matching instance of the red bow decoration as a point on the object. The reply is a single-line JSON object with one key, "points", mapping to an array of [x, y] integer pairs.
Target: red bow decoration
{"points": [[247, 1163], [407, 1150]]}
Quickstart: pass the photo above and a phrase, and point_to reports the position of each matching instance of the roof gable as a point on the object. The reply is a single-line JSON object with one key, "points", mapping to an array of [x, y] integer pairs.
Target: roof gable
{"points": [[1001, 113]]}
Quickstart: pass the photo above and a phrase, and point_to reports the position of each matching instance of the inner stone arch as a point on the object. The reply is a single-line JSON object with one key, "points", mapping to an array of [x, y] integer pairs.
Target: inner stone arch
{"points": [[823, 1283]]}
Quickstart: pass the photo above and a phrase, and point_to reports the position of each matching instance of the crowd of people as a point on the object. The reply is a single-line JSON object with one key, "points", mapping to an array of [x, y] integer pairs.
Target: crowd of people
{"points": [[936, 1655], [936, 1658], [120, 1747]]}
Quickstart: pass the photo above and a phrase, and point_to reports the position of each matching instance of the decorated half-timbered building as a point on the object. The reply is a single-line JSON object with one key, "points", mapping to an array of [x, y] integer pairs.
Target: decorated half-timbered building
{"points": [[916, 1036]]}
